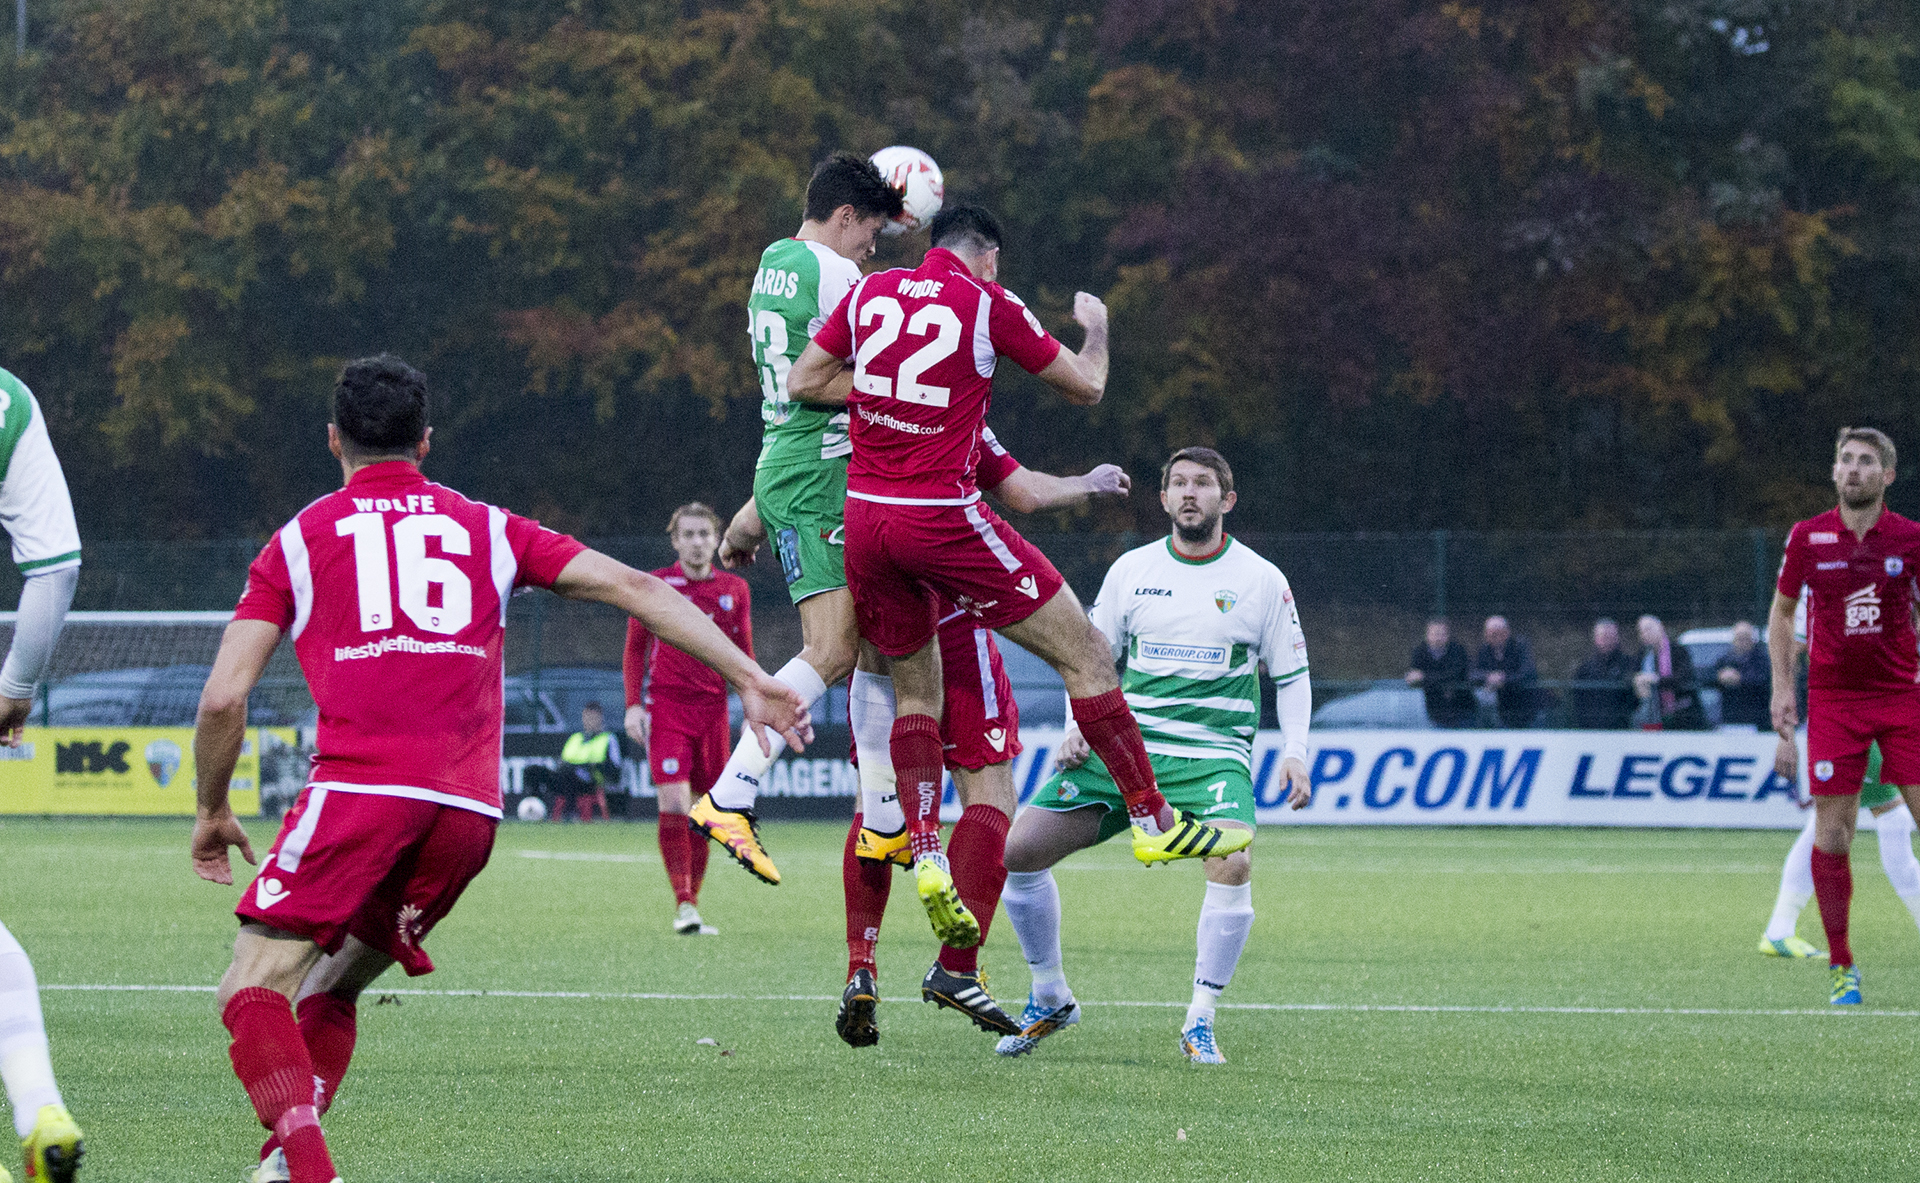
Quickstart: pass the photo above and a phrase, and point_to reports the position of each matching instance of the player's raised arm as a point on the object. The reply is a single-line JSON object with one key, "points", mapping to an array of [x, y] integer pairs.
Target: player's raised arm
{"points": [[673, 619], [1082, 377], [819, 378], [219, 730], [1027, 491]]}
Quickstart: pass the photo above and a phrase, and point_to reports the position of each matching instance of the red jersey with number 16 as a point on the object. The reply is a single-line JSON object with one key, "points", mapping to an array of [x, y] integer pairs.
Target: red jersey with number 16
{"points": [[1860, 598], [395, 592], [924, 344]]}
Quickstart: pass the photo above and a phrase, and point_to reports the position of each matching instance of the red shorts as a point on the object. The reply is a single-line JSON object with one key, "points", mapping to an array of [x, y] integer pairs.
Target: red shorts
{"points": [[689, 745], [982, 723], [383, 869], [899, 556], [1842, 724]]}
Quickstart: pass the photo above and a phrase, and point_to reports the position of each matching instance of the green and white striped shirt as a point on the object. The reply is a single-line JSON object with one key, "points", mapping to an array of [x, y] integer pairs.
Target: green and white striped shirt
{"points": [[1194, 632], [35, 507]]}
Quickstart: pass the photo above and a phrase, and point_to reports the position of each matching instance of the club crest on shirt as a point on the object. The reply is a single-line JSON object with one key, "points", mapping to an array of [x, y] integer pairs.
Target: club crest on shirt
{"points": [[670, 766], [1225, 600], [1896, 565], [726, 603], [1823, 770]]}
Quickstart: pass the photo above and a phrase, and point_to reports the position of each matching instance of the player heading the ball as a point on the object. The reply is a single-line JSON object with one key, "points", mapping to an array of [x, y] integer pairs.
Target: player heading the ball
{"points": [[394, 590], [921, 347]]}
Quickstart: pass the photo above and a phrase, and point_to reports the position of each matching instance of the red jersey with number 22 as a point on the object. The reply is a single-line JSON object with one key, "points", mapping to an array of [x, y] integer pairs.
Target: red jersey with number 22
{"points": [[924, 344], [1860, 597], [395, 592]]}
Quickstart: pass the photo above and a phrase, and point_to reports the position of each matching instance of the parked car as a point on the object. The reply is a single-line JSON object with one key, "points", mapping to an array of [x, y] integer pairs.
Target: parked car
{"points": [[1389, 702]]}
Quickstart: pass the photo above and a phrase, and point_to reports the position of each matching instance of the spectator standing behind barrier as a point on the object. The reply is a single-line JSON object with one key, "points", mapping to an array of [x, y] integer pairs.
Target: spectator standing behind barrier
{"points": [[1439, 667], [1746, 680], [1607, 707], [590, 762], [1505, 666], [1666, 681]]}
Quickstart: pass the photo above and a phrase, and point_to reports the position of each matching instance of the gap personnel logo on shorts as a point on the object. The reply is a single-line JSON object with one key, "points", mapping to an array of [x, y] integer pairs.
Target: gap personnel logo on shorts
{"points": [[1823, 770], [1183, 654], [1896, 565], [1225, 600]]}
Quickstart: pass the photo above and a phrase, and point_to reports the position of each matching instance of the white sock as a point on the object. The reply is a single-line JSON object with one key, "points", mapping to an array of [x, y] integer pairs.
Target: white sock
{"points": [[870, 706], [1895, 831], [739, 784], [1032, 901], [1796, 887], [1225, 920], [23, 1038]]}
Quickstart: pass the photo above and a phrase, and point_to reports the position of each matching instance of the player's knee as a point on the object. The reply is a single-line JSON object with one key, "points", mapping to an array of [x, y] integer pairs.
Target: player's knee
{"points": [[1232, 871]]}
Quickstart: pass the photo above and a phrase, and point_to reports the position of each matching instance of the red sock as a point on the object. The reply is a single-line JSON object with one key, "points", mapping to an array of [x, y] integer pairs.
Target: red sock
{"points": [[977, 851], [1111, 732], [273, 1065], [867, 885], [918, 768], [1833, 887], [676, 850], [328, 1026], [696, 861]]}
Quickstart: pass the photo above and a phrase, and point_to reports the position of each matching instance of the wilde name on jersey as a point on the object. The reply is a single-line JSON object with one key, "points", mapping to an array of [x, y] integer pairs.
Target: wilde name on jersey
{"points": [[769, 281], [412, 503]]}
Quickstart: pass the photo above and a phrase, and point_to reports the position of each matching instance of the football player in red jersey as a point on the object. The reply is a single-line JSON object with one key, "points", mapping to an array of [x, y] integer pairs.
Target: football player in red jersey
{"points": [[395, 592], [1858, 563], [922, 345], [677, 707]]}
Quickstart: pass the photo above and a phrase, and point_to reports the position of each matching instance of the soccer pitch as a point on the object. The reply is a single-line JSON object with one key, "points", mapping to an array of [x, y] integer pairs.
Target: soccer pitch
{"points": [[1414, 1004]]}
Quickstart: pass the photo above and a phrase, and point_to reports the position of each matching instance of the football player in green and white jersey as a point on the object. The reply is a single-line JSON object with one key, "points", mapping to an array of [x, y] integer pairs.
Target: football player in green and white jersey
{"points": [[800, 484], [1195, 615], [37, 513]]}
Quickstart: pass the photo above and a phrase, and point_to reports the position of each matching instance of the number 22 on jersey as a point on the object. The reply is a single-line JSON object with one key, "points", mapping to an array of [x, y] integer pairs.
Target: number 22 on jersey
{"points": [[931, 320], [416, 572]]}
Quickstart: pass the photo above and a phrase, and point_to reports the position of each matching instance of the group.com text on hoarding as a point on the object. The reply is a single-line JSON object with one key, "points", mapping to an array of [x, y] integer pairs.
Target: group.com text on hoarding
{"points": [[1528, 778]]}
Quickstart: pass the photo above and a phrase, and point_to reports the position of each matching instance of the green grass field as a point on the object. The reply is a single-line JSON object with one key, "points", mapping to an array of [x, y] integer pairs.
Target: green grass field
{"points": [[1679, 1052]]}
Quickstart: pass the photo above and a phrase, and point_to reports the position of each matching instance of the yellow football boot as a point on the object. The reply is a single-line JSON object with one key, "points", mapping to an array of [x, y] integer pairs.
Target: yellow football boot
{"points": [[738, 833], [53, 1149], [874, 847], [1189, 838], [952, 922]]}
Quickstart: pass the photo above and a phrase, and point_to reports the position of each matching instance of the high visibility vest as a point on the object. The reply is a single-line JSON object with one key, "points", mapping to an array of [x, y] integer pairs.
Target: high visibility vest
{"points": [[582, 749]]}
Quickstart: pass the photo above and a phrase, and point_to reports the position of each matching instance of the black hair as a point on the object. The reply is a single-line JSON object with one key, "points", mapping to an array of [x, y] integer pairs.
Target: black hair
{"points": [[965, 227], [380, 406], [846, 179]]}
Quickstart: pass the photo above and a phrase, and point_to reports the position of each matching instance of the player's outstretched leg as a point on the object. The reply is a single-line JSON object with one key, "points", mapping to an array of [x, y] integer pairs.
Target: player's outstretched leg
{"points": [[725, 812], [1796, 889], [867, 885], [1032, 901], [51, 1142], [1226, 917], [917, 761]]}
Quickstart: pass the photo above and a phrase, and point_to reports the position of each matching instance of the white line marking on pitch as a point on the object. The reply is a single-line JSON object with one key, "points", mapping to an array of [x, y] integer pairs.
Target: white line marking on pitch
{"points": [[1390, 1008]]}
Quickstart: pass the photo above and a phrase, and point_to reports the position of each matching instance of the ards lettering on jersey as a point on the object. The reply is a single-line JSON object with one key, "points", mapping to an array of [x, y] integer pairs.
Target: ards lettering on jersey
{"points": [[771, 281]]}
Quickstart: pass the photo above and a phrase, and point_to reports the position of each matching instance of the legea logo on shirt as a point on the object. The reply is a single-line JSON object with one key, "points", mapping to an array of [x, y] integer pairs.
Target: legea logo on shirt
{"points": [[1184, 654]]}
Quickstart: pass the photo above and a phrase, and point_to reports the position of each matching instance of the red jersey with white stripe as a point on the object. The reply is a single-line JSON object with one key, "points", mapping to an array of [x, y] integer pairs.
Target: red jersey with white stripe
{"points": [[659, 673], [1860, 595], [924, 344], [395, 592]]}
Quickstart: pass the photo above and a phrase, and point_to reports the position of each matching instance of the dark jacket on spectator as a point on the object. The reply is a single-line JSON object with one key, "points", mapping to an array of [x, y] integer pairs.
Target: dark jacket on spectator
{"points": [[1687, 713], [1752, 700], [1449, 695], [1516, 699], [1608, 708]]}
